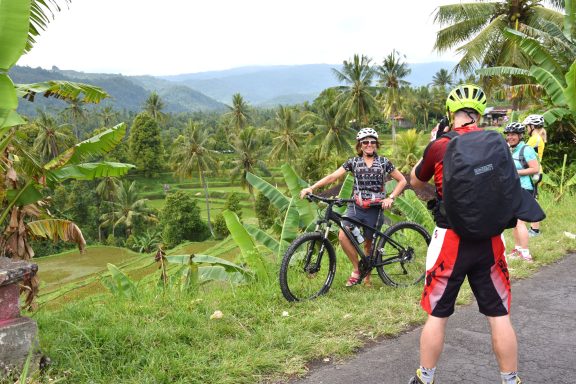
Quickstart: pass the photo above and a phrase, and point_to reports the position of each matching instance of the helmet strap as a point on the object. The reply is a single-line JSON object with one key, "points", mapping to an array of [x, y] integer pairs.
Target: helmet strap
{"points": [[472, 121]]}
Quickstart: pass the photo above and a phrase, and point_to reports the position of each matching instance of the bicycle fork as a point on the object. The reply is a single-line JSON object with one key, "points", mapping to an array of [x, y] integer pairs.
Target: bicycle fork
{"points": [[316, 266]]}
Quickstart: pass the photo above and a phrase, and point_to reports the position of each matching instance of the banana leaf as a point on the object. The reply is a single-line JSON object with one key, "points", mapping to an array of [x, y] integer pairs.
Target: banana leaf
{"points": [[272, 193], [63, 90], [57, 229], [120, 284], [247, 246], [263, 238], [27, 195], [551, 84], [95, 146], [345, 192], [218, 273], [14, 21], [207, 259], [570, 91], [295, 184], [414, 209], [89, 171], [289, 227], [8, 99]]}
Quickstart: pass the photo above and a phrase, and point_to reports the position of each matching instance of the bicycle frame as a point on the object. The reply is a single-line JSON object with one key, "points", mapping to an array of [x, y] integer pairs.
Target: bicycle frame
{"points": [[369, 260]]}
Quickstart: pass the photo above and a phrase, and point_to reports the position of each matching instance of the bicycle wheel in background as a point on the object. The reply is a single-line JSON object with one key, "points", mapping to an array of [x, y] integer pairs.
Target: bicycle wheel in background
{"points": [[308, 267], [408, 262]]}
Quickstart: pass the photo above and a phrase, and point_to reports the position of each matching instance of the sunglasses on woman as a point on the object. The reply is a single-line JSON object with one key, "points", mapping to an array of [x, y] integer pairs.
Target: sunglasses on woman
{"points": [[366, 142]]}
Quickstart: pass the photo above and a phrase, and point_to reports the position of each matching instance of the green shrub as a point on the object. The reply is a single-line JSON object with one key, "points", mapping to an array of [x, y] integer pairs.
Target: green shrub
{"points": [[180, 220]]}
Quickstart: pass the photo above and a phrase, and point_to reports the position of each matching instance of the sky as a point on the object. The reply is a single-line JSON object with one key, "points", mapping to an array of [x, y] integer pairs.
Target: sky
{"points": [[169, 37]]}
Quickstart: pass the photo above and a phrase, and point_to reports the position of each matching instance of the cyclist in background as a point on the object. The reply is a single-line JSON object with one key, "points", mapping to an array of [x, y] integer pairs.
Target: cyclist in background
{"points": [[535, 126], [450, 258], [526, 162], [370, 171]]}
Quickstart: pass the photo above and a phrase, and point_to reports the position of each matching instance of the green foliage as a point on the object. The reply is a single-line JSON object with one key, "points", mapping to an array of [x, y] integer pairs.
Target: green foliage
{"points": [[180, 220], [119, 284], [145, 145], [265, 212], [232, 204]]}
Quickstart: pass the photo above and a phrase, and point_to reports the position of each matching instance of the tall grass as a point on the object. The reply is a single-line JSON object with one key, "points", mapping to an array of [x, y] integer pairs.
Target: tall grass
{"points": [[170, 337]]}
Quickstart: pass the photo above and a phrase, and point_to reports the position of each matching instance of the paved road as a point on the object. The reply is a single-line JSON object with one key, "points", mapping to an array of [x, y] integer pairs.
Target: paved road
{"points": [[544, 316]]}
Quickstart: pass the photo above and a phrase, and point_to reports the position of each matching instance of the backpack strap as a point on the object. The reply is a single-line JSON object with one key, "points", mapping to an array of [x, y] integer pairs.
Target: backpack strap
{"points": [[522, 158], [450, 135]]}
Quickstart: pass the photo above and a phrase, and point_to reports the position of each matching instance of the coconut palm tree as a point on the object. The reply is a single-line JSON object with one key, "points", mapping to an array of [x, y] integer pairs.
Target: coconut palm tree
{"points": [[51, 139], [422, 103], [329, 132], [127, 208], [392, 73], [239, 113], [76, 113], [356, 99], [107, 115], [287, 134], [249, 154], [190, 155], [476, 30], [154, 106], [442, 79]]}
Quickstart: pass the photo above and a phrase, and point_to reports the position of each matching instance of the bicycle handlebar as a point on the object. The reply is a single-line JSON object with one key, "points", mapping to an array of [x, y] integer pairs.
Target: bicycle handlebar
{"points": [[336, 201]]}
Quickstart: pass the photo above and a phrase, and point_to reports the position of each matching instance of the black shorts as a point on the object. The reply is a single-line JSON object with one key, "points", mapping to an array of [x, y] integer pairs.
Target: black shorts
{"points": [[451, 259], [372, 216]]}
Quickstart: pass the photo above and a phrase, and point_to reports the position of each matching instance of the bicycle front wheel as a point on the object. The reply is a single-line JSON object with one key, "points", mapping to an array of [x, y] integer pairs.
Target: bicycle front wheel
{"points": [[308, 267], [402, 254]]}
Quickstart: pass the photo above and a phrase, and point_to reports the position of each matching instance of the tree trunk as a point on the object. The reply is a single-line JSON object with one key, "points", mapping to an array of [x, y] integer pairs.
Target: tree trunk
{"points": [[205, 186]]}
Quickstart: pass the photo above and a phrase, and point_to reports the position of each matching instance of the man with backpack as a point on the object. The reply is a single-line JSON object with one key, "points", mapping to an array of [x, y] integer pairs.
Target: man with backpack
{"points": [[526, 162], [478, 195]]}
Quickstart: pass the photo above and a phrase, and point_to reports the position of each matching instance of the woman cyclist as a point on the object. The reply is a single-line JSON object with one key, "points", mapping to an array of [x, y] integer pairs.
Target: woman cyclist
{"points": [[535, 126], [526, 162], [369, 170]]}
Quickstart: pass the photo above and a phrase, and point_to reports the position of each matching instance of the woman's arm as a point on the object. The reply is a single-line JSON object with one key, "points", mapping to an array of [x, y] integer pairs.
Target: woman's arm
{"points": [[533, 168], [324, 181], [400, 185]]}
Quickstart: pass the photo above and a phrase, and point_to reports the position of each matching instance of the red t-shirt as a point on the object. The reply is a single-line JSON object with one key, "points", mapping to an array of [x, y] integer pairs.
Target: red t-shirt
{"points": [[432, 159]]}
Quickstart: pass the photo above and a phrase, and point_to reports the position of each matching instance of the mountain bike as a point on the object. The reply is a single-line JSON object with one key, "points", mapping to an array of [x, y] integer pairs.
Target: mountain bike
{"points": [[309, 264]]}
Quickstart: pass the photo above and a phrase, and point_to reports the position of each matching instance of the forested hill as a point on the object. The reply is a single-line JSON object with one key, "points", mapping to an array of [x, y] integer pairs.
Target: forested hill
{"points": [[285, 84], [127, 92]]}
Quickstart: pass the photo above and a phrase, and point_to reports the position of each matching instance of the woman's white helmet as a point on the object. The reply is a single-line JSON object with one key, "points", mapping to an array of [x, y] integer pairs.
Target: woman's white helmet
{"points": [[366, 132], [536, 120]]}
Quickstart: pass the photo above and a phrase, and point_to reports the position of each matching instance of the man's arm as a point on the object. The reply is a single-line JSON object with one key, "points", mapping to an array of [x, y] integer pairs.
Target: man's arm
{"points": [[415, 182]]}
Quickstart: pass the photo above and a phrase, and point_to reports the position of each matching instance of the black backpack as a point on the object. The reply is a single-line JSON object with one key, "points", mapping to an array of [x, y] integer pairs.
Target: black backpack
{"points": [[480, 185]]}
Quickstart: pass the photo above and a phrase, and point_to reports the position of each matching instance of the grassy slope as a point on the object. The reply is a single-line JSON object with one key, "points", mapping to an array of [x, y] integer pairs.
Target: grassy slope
{"points": [[169, 337]]}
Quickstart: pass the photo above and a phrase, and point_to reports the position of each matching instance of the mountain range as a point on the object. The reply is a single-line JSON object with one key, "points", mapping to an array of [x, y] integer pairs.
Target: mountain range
{"points": [[265, 86]]}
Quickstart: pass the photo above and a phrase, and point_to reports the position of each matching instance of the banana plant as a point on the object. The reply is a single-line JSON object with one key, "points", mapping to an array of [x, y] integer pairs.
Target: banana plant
{"points": [[23, 177], [249, 252]]}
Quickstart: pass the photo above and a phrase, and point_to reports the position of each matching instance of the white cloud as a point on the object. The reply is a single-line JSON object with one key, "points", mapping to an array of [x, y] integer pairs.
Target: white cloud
{"points": [[183, 36]]}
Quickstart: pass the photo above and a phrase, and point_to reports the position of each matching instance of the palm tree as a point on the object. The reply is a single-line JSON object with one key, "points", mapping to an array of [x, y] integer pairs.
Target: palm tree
{"points": [[392, 73], [423, 103], [76, 114], [477, 31], [107, 189], [127, 208], [249, 154], [238, 114], [442, 79], [107, 115], [191, 155], [357, 99], [329, 133], [154, 106], [287, 134], [50, 140]]}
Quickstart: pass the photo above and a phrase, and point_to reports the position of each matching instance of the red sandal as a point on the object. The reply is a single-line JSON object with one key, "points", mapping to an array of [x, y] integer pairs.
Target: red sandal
{"points": [[354, 279]]}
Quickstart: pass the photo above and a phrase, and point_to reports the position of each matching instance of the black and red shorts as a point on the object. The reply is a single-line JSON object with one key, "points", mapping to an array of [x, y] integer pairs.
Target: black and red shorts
{"points": [[451, 259]]}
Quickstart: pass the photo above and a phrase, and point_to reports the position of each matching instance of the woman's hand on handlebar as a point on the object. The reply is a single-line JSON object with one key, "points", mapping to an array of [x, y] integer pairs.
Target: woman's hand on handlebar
{"points": [[387, 203], [305, 191]]}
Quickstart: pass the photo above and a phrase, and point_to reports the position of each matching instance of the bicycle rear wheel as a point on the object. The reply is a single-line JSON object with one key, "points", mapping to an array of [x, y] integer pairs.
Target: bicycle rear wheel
{"points": [[308, 267], [405, 261]]}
